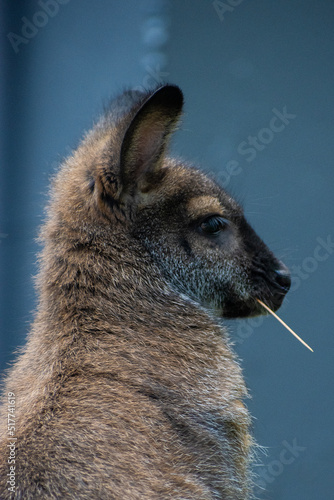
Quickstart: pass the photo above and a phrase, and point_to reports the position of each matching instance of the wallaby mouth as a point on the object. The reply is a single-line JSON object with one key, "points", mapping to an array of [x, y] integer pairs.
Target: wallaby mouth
{"points": [[270, 287]]}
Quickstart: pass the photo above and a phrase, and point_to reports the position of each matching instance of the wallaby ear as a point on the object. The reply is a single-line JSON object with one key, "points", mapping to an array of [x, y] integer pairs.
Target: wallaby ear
{"points": [[147, 137]]}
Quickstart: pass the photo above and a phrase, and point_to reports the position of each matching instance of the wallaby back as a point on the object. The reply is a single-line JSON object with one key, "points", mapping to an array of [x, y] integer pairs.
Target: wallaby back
{"points": [[128, 387]]}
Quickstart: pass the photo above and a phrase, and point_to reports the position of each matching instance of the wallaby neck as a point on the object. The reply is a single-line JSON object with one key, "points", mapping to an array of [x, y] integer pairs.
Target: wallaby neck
{"points": [[82, 281]]}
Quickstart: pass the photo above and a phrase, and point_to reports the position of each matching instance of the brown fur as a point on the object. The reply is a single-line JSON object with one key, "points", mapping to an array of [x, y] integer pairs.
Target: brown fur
{"points": [[128, 387]]}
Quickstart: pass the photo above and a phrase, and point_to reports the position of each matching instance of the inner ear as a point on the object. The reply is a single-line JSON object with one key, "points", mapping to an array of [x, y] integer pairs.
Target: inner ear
{"points": [[147, 137]]}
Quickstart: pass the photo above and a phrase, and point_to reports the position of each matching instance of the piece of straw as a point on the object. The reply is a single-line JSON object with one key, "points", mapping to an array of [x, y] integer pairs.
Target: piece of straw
{"points": [[284, 324]]}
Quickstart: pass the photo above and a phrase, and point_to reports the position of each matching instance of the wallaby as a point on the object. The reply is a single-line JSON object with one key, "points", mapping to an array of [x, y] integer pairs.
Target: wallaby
{"points": [[128, 387]]}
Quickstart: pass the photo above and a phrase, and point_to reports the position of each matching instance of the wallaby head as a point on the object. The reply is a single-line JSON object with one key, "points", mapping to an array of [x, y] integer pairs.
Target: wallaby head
{"points": [[195, 232], [128, 388]]}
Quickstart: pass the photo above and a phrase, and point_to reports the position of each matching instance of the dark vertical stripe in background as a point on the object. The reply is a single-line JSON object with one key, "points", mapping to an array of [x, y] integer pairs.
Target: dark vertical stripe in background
{"points": [[16, 202]]}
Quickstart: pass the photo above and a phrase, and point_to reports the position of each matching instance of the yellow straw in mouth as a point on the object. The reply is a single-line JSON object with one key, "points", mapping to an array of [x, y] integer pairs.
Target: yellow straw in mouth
{"points": [[284, 324]]}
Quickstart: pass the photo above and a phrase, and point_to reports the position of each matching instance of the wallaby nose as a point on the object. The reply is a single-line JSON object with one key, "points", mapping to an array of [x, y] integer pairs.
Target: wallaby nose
{"points": [[282, 278]]}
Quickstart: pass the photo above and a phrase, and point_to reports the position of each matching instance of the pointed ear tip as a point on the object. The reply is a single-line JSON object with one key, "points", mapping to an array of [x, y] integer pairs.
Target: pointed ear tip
{"points": [[171, 95]]}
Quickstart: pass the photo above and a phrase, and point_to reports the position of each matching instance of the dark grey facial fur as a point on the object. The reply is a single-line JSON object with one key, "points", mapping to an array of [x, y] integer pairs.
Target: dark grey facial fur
{"points": [[226, 271]]}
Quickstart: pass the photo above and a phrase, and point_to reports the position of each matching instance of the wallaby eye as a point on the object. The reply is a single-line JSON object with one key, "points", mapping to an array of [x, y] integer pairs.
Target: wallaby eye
{"points": [[213, 225]]}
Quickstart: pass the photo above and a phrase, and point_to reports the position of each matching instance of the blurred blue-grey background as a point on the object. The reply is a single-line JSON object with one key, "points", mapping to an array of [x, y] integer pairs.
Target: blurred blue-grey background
{"points": [[258, 79]]}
